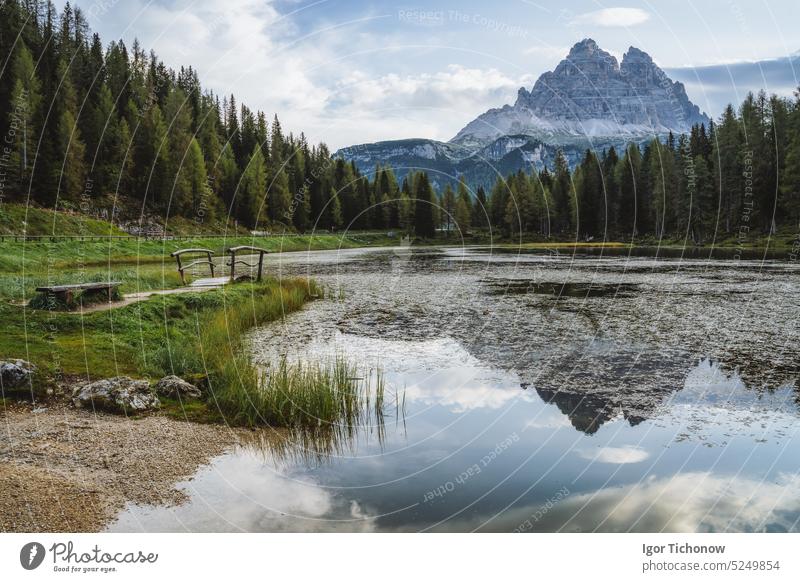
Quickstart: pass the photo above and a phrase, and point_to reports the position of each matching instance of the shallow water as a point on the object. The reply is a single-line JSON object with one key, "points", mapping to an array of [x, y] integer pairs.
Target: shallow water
{"points": [[543, 392]]}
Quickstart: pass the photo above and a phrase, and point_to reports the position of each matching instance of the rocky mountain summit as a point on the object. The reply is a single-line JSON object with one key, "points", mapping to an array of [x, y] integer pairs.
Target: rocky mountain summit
{"points": [[589, 100], [589, 94]]}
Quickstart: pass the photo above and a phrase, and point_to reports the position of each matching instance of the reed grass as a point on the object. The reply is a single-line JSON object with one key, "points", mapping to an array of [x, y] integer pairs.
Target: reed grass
{"points": [[331, 395]]}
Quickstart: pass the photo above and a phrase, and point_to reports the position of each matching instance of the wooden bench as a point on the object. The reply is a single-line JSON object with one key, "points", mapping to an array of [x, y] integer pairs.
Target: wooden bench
{"points": [[200, 261], [65, 292], [252, 250]]}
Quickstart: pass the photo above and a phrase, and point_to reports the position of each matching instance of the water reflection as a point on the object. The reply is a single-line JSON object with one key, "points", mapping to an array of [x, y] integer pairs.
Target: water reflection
{"points": [[243, 493], [664, 401], [688, 502]]}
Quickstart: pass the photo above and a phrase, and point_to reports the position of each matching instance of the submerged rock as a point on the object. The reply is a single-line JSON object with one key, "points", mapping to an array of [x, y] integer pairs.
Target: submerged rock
{"points": [[175, 387], [120, 394], [15, 375]]}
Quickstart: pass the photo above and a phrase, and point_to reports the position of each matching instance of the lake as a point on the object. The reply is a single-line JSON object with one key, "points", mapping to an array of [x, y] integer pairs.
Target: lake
{"points": [[528, 391]]}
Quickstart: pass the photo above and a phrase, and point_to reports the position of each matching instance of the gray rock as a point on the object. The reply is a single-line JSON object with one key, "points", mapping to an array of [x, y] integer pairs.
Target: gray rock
{"points": [[590, 94], [175, 387], [120, 394], [15, 375]]}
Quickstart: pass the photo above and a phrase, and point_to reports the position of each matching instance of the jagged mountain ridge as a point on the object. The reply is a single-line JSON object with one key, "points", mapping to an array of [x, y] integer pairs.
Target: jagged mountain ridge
{"points": [[588, 101], [590, 95]]}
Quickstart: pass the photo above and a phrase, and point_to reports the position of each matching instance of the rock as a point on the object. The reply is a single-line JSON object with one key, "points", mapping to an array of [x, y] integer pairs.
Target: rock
{"points": [[120, 394], [590, 94], [175, 387], [15, 375]]}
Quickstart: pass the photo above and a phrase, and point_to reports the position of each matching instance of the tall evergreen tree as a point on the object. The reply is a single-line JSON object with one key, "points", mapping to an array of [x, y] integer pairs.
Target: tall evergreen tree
{"points": [[22, 118], [424, 207]]}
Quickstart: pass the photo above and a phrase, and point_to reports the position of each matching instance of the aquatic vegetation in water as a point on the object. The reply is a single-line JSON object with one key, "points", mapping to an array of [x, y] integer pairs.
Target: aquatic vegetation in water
{"points": [[334, 395]]}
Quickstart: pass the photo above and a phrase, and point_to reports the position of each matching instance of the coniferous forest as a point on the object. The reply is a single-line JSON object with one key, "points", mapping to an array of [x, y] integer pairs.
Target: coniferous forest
{"points": [[83, 120], [737, 176]]}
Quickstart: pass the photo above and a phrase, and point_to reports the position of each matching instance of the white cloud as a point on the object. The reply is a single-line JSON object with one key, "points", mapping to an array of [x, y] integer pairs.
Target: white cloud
{"points": [[613, 17], [688, 502], [319, 81], [616, 455], [434, 105]]}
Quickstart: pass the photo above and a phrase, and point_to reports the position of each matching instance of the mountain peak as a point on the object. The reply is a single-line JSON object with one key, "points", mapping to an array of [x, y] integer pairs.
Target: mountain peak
{"points": [[586, 46], [589, 94], [635, 54]]}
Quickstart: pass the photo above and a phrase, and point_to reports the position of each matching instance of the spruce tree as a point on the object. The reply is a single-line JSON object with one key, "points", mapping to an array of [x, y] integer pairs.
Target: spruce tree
{"points": [[424, 202], [251, 203], [23, 114]]}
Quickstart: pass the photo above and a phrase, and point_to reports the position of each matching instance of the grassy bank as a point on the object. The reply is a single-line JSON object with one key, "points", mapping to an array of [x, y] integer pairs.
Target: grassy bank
{"points": [[137, 340], [783, 241], [318, 395], [18, 218], [141, 265], [195, 335], [200, 337]]}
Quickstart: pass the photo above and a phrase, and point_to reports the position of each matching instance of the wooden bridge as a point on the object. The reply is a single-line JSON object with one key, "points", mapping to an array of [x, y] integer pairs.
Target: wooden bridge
{"points": [[236, 254]]}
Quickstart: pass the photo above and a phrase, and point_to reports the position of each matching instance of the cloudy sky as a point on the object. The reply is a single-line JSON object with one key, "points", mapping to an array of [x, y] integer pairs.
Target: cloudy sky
{"points": [[349, 72]]}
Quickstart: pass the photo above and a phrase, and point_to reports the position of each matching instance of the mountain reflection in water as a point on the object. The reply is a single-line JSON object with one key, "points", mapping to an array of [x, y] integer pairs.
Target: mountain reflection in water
{"points": [[593, 394]]}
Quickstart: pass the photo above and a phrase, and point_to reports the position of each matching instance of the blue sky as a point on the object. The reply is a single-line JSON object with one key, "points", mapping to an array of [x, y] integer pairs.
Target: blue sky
{"points": [[350, 72]]}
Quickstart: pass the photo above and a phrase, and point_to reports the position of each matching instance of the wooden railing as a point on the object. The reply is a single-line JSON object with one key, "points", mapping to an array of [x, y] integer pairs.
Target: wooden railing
{"points": [[252, 250], [182, 268]]}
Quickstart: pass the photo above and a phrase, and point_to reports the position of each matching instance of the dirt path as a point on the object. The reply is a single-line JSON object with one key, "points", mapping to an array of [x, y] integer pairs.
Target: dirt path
{"points": [[197, 286], [65, 469]]}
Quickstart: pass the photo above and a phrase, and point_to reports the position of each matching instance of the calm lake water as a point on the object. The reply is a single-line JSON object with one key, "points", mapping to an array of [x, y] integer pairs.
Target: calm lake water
{"points": [[543, 392]]}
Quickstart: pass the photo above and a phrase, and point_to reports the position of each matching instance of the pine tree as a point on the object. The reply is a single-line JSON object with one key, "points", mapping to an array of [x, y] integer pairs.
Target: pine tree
{"points": [[424, 203], [728, 168], [228, 173], [462, 217], [151, 162], [280, 199], [665, 188], [462, 195], [406, 206], [198, 203], [22, 119], [335, 211], [498, 203], [251, 203], [611, 189], [591, 201], [562, 194], [629, 179], [480, 210]]}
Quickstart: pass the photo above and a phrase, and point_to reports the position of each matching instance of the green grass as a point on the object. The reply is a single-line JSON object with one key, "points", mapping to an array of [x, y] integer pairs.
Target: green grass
{"points": [[18, 218], [132, 340], [310, 396], [36, 256], [198, 336]]}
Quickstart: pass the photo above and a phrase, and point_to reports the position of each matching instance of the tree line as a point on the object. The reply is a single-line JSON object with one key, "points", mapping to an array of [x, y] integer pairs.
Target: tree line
{"points": [[736, 176], [80, 121]]}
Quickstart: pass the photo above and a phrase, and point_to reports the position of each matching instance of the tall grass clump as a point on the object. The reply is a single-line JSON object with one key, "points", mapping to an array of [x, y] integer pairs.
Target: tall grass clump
{"points": [[212, 341], [328, 396], [332, 395]]}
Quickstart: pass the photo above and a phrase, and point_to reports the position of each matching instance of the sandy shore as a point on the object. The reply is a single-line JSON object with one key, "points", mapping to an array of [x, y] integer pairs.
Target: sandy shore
{"points": [[66, 469]]}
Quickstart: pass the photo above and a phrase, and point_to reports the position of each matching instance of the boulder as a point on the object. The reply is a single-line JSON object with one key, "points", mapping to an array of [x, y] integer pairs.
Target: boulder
{"points": [[120, 394], [177, 388], [15, 375]]}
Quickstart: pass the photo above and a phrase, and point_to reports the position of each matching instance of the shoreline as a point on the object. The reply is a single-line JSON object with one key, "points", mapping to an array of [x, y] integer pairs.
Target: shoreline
{"points": [[68, 469]]}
